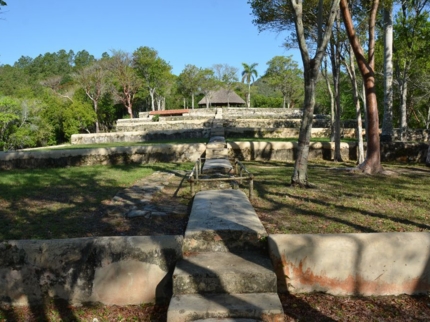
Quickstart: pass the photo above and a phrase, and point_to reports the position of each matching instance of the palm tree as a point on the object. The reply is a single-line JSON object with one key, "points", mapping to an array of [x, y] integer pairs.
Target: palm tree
{"points": [[248, 74]]}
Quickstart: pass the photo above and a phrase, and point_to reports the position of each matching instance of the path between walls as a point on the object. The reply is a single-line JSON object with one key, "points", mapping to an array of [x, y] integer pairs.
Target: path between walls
{"points": [[225, 272]]}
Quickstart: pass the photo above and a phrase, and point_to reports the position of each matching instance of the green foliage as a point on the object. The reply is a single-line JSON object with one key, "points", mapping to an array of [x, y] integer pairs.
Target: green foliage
{"points": [[156, 118], [78, 118], [259, 100], [283, 74], [21, 124]]}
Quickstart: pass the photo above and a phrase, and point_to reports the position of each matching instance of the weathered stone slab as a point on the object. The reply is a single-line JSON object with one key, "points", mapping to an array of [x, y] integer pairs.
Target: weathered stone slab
{"points": [[216, 142], [109, 270], [352, 264], [223, 220], [217, 165], [218, 153], [191, 307], [224, 273]]}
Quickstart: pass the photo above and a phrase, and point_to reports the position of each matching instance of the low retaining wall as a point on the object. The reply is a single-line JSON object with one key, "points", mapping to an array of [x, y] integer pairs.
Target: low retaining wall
{"points": [[108, 270], [287, 151], [106, 156], [149, 127], [352, 264], [140, 136], [255, 132]]}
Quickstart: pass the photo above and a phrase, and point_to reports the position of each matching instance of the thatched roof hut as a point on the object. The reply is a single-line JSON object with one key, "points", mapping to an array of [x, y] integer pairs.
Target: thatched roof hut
{"points": [[221, 97]]}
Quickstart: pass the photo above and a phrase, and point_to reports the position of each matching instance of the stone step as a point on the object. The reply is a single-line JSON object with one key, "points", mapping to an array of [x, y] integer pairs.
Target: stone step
{"points": [[210, 272], [223, 220], [191, 307], [216, 153], [216, 142], [217, 166], [217, 131]]}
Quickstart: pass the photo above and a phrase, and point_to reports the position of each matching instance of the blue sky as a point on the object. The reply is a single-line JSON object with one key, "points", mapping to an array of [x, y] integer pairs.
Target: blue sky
{"points": [[198, 32]]}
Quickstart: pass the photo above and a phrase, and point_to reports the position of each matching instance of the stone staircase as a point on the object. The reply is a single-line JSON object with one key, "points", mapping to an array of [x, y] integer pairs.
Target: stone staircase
{"points": [[225, 273]]}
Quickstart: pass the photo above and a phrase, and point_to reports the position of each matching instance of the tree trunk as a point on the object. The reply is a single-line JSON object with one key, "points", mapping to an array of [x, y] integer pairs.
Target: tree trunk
{"points": [[285, 99], [330, 92], [192, 101], [372, 163], [97, 118], [151, 93], [403, 108], [311, 69], [249, 95], [300, 174], [335, 63], [387, 122], [428, 120], [350, 67]]}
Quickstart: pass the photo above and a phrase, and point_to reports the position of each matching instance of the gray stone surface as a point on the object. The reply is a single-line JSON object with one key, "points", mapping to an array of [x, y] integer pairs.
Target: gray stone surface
{"points": [[224, 273], [218, 153], [109, 270], [190, 307], [105, 156], [352, 264], [223, 220], [135, 201], [217, 165]]}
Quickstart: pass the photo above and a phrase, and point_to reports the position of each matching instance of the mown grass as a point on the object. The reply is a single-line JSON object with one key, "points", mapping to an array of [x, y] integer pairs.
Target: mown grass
{"points": [[343, 201], [63, 202]]}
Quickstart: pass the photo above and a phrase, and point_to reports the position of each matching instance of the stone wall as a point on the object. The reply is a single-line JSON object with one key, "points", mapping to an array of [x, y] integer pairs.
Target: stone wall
{"points": [[352, 264], [140, 136], [107, 270], [284, 132], [287, 151], [106, 156]]}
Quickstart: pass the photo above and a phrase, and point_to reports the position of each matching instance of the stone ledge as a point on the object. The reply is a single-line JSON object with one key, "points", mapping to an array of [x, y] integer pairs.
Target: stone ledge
{"points": [[352, 264], [105, 156], [108, 270]]}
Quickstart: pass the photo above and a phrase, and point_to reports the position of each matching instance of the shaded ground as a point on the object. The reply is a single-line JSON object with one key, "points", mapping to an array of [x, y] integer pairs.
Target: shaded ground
{"points": [[342, 202], [302, 307]]}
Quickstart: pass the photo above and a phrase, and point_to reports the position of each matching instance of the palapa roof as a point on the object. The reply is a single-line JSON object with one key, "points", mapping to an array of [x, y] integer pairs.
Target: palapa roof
{"points": [[220, 97]]}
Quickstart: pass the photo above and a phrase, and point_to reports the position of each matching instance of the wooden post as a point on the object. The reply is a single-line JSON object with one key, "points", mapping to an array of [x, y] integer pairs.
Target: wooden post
{"points": [[236, 167], [251, 186]]}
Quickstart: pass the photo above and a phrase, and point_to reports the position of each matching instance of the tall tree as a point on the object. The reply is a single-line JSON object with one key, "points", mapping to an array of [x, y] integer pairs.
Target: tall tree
{"points": [[227, 75], [387, 120], [411, 44], [284, 74], [249, 74], [93, 79], [281, 14], [208, 84], [125, 79], [372, 163], [188, 81], [152, 69]]}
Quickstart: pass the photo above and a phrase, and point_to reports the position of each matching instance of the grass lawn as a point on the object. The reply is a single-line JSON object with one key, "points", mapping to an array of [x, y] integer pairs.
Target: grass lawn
{"points": [[64, 202], [343, 201]]}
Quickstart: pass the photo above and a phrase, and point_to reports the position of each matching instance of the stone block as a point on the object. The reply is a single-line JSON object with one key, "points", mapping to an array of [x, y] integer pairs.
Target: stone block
{"points": [[352, 264], [109, 270]]}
